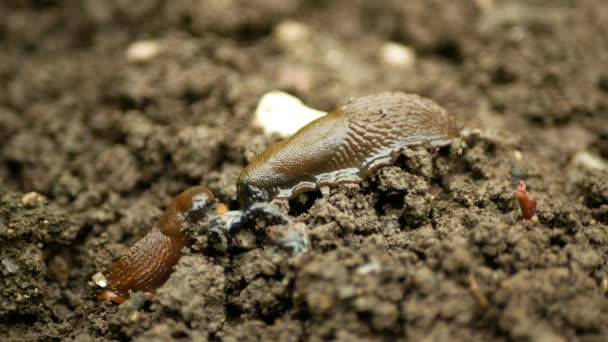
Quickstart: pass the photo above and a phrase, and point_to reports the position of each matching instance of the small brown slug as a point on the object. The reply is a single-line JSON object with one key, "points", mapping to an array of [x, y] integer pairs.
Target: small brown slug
{"points": [[150, 261], [346, 145]]}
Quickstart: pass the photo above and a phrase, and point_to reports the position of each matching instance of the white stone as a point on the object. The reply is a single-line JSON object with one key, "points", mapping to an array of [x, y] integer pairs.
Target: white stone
{"points": [[370, 267], [289, 32], [10, 265], [517, 155], [398, 55], [282, 113], [589, 161], [32, 198], [100, 280], [143, 51]]}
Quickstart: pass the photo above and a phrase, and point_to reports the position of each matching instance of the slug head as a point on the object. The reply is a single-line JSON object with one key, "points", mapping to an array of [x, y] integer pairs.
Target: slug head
{"points": [[192, 205], [248, 194]]}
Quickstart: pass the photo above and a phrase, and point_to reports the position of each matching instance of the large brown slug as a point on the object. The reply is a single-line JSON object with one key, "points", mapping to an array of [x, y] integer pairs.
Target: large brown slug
{"points": [[346, 145], [150, 261]]}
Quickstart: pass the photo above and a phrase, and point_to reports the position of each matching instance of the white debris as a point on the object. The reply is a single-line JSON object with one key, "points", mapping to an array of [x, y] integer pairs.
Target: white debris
{"points": [[100, 280], [370, 267], [517, 156], [296, 239], [10, 265], [291, 32], [32, 199], [589, 161], [281, 113], [142, 51], [397, 55]]}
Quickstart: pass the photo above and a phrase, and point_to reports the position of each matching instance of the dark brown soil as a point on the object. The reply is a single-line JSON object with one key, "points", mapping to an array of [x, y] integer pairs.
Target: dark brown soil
{"points": [[432, 248]]}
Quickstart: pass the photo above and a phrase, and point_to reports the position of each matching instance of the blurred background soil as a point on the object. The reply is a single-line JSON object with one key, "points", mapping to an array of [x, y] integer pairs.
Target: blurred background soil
{"points": [[97, 136]]}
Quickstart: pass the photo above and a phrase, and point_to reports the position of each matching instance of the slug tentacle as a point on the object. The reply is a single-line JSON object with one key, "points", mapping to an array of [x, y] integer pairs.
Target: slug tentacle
{"points": [[346, 145]]}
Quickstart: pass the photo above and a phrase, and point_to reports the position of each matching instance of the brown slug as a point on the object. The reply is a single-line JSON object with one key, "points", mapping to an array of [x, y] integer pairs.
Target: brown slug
{"points": [[346, 145], [150, 261]]}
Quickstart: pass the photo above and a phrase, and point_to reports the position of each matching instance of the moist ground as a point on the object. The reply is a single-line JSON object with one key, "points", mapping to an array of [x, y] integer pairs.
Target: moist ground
{"points": [[432, 247]]}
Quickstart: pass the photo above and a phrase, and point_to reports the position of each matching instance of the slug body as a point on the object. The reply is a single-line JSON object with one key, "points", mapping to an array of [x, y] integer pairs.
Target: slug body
{"points": [[346, 145], [150, 261]]}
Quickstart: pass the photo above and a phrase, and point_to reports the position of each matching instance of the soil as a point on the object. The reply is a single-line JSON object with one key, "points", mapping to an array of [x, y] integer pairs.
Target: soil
{"points": [[433, 248]]}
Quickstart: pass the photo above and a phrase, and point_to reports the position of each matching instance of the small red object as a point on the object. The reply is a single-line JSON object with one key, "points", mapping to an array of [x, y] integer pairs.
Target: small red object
{"points": [[527, 204]]}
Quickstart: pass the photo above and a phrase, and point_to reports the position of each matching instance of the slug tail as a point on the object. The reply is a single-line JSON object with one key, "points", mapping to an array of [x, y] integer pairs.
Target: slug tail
{"points": [[146, 267]]}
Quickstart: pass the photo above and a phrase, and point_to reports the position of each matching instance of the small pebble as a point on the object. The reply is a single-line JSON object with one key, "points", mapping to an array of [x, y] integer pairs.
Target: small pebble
{"points": [[589, 161], [370, 267], [143, 51], [295, 239], [32, 199], [291, 32], [397, 55], [10, 265], [517, 155], [100, 280], [135, 316], [346, 292]]}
